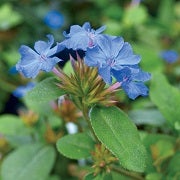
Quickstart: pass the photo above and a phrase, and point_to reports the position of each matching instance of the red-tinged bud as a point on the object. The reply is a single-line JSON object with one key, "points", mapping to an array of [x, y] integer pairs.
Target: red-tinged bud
{"points": [[102, 158], [85, 86], [51, 136], [28, 117]]}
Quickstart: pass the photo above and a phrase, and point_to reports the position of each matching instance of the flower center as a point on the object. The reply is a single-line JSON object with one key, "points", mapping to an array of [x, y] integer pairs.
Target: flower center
{"points": [[91, 35], [42, 57], [111, 62]]}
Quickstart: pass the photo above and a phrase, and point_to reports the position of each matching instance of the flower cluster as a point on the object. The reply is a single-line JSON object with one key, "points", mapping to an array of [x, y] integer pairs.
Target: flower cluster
{"points": [[113, 58], [32, 62], [170, 56], [54, 19]]}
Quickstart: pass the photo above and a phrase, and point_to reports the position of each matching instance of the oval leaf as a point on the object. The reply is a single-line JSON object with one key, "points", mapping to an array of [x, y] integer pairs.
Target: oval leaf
{"points": [[166, 98], [14, 130], [30, 162], [147, 116], [76, 146], [11, 125], [114, 129], [44, 91]]}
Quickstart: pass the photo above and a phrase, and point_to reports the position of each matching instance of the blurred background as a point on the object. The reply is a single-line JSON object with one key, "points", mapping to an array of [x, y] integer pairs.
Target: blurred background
{"points": [[151, 26]]}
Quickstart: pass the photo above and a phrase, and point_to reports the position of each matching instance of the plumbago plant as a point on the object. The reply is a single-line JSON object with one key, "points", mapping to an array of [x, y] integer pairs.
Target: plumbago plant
{"points": [[105, 133], [106, 139]]}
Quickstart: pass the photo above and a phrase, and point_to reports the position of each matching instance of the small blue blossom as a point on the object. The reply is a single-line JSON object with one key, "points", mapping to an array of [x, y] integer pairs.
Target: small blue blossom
{"points": [[32, 62], [111, 53], [132, 81], [22, 90], [13, 70], [169, 56], [54, 19], [81, 37]]}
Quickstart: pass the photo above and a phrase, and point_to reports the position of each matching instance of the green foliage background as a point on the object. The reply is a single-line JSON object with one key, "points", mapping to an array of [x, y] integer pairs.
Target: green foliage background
{"points": [[153, 122]]}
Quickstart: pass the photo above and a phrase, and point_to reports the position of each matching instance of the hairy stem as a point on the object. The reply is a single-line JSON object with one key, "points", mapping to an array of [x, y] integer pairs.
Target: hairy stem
{"points": [[135, 176], [86, 117]]}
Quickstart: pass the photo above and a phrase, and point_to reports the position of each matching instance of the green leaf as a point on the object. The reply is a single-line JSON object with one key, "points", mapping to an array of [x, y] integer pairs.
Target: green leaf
{"points": [[8, 17], [14, 131], [135, 15], [114, 129], [149, 140], [11, 56], [76, 146], [166, 98], [161, 150], [11, 125], [166, 12], [151, 62], [30, 162], [147, 116], [104, 176], [42, 94], [174, 167], [53, 177], [67, 69], [118, 176], [154, 176]]}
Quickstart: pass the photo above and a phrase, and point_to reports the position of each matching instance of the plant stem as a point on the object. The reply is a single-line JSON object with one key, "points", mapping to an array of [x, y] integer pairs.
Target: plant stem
{"points": [[135, 176], [86, 117]]}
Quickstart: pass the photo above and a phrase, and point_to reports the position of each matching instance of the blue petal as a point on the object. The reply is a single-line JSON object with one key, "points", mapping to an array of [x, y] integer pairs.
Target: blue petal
{"points": [[60, 47], [29, 64], [49, 64], [126, 56], [30, 70], [27, 54], [86, 26], [141, 76], [51, 40], [135, 89], [169, 56], [104, 43], [80, 38], [22, 90], [42, 47], [77, 41], [110, 45], [73, 30], [13, 70], [94, 57], [52, 51], [54, 19], [122, 75], [105, 73], [100, 30], [117, 44]]}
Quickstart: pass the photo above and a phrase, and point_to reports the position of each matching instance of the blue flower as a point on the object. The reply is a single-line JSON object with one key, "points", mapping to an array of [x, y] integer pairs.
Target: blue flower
{"points": [[22, 90], [111, 53], [13, 70], [81, 37], [32, 62], [54, 19], [169, 56], [132, 81]]}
